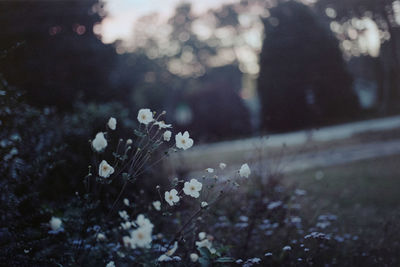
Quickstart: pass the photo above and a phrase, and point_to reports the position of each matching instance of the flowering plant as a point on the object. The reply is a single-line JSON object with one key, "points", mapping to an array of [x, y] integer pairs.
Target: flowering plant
{"points": [[137, 232], [224, 215]]}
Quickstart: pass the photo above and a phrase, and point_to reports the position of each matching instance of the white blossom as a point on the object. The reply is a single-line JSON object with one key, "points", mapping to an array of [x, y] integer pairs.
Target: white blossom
{"points": [[274, 205], [143, 222], [172, 250], [141, 237], [101, 237], [124, 215], [164, 257], [171, 197], [194, 257], [254, 260], [222, 165], [55, 223], [205, 243], [126, 225], [202, 235], [105, 169], [210, 170], [112, 123], [110, 264], [183, 141], [286, 248], [145, 116], [127, 240], [162, 125], [126, 202], [245, 171], [157, 205], [192, 188], [204, 204], [167, 136], [13, 151], [99, 143], [129, 142]]}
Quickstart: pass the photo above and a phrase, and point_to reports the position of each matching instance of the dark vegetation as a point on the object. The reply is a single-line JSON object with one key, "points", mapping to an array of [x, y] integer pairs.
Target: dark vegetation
{"points": [[59, 84]]}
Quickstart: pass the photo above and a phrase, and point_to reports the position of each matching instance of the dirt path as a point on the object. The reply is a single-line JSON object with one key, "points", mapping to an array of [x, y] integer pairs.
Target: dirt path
{"points": [[301, 150]]}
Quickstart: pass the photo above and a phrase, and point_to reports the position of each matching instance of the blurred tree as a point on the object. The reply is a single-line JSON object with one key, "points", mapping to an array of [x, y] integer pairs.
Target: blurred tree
{"points": [[218, 111], [302, 80], [60, 57], [349, 16], [189, 67]]}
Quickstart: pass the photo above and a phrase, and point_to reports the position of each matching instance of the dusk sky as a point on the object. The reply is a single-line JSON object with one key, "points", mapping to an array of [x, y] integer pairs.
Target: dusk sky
{"points": [[122, 14]]}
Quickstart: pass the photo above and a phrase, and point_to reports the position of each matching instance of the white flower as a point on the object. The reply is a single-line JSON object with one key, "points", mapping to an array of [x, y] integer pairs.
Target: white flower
{"points": [[144, 223], [162, 125], [164, 257], [204, 204], [13, 151], [194, 257], [254, 260], [244, 171], [157, 205], [55, 223], [222, 166], [112, 123], [110, 264], [286, 248], [99, 142], [205, 243], [124, 215], [105, 169], [141, 237], [172, 250], [167, 136], [210, 170], [171, 197], [145, 116], [126, 225], [126, 201], [202, 235], [101, 237], [274, 205], [183, 141], [127, 240], [129, 142], [192, 188]]}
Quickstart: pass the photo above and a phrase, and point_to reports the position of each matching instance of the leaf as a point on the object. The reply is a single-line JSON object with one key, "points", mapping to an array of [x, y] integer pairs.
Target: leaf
{"points": [[205, 252], [204, 262], [225, 259], [139, 133]]}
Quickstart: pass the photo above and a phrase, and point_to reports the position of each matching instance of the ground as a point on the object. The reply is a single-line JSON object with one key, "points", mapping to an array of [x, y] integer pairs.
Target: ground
{"points": [[363, 194]]}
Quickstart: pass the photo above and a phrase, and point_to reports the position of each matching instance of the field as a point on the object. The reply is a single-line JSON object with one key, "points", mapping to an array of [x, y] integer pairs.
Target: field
{"points": [[363, 194]]}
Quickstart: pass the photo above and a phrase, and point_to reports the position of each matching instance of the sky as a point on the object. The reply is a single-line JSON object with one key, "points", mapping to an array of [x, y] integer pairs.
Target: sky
{"points": [[122, 14]]}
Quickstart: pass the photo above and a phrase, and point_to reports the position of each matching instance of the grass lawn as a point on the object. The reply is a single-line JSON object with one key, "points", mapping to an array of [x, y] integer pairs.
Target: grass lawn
{"points": [[365, 195]]}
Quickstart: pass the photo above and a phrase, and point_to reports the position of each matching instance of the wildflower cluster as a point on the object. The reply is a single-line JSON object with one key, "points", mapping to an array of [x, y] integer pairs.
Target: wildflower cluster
{"points": [[131, 159]]}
